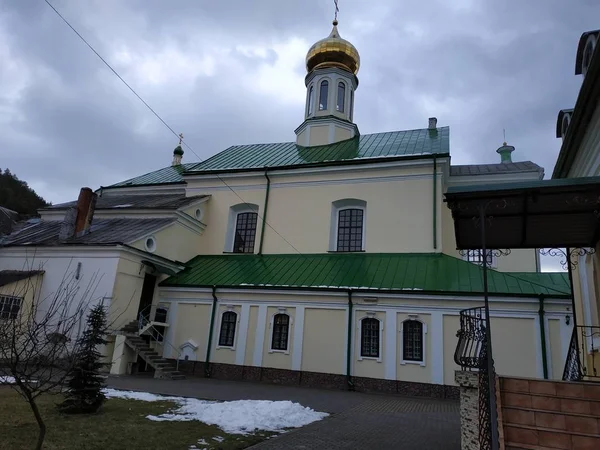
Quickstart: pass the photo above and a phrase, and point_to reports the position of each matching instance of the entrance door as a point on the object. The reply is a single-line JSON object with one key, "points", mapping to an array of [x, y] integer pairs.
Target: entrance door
{"points": [[147, 295]]}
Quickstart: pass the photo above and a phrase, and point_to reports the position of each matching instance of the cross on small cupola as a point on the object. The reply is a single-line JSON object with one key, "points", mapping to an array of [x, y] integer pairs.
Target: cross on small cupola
{"points": [[178, 152]]}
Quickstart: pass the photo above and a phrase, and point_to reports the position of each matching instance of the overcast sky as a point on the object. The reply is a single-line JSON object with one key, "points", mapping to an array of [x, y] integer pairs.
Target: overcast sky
{"points": [[226, 73]]}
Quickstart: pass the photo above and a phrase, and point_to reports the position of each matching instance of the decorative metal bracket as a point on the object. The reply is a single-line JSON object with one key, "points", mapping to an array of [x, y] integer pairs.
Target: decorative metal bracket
{"points": [[570, 259]]}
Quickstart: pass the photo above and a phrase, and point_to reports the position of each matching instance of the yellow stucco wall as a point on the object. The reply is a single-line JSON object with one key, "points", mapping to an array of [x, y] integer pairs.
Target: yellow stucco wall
{"points": [[175, 242], [451, 326], [555, 350], [324, 344], [515, 347], [28, 290], [368, 367], [341, 134], [250, 340], [319, 135], [192, 323], [276, 358], [410, 371]]}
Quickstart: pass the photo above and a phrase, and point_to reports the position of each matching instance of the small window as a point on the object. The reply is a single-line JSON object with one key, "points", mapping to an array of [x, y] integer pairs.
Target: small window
{"points": [[350, 230], [150, 244], [476, 257], [565, 124], [9, 306], [311, 101], [588, 53], [245, 232], [227, 335], [369, 338], [198, 214], [412, 337], [281, 329], [323, 95], [341, 97]]}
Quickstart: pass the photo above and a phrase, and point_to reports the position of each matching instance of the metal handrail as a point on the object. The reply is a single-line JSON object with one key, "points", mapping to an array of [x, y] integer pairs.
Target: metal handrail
{"points": [[471, 338], [581, 363], [142, 322]]}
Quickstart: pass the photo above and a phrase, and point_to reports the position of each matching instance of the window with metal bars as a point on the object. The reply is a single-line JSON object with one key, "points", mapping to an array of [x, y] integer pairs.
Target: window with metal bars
{"points": [[350, 230], [10, 306], [369, 338], [227, 335], [281, 329], [245, 232], [412, 337], [476, 257]]}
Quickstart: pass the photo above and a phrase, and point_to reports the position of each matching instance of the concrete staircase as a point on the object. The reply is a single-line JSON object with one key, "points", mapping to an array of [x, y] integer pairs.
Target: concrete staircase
{"points": [[541, 414], [162, 367]]}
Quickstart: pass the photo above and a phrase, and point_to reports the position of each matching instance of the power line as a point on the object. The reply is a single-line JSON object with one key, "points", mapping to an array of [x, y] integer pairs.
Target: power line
{"points": [[162, 120]]}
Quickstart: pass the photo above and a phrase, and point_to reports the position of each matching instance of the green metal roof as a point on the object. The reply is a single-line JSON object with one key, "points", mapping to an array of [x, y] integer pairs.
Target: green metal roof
{"points": [[430, 272], [166, 175], [362, 149], [395, 144]]}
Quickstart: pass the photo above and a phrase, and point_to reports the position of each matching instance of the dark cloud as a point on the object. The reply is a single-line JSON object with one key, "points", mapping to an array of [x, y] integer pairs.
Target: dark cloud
{"points": [[232, 72]]}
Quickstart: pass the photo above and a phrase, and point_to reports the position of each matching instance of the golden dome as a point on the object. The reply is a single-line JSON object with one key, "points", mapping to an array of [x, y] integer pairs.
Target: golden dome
{"points": [[333, 51]]}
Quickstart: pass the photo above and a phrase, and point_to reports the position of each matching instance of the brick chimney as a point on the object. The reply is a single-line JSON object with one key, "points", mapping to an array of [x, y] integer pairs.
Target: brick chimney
{"points": [[86, 204]]}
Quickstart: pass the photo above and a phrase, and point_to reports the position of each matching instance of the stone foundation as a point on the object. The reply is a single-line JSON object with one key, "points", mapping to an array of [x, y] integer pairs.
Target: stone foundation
{"points": [[317, 380]]}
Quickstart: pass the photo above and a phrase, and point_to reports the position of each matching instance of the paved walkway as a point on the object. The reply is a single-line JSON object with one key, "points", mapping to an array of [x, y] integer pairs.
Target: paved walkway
{"points": [[357, 420]]}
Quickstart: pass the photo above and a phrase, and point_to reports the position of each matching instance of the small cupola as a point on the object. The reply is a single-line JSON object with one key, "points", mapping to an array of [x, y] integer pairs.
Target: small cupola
{"points": [[505, 153], [178, 152]]}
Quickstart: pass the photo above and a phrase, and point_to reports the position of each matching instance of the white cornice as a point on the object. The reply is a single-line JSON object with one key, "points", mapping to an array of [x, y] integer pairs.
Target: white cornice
{"points": [[189, 222]]}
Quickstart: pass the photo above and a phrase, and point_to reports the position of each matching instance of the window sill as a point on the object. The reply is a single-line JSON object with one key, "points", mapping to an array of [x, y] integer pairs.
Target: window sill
{"points": [[416, 363], [225, 347], [369, 358], [342, 251], [286, 352], [238, 253]]}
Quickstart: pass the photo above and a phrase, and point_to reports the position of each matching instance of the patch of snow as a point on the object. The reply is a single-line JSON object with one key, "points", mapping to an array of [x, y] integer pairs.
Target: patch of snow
{"points": [[125, 205], [219, 438], [7, 380], [235, 417]]}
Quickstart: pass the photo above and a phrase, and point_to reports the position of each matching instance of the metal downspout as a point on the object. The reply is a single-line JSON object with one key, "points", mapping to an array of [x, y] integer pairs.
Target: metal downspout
{"points": [[543, 337], [264, 219], [434, 202], [349, 344], [207, 372]]}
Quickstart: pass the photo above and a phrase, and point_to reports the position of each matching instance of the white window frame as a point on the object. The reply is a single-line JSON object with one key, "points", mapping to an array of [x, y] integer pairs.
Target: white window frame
{"points": [[234, 211], [272, 328], [493, 263], [423, 340], [337, 86], [340, 205], [236, 330], [318, 102], [310, 109], [370, 315], [591, 41]]}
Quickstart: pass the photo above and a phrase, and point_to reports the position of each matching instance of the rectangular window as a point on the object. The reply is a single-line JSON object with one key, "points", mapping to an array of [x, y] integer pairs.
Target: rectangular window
{"points": [[227, 335], [350, 230], [9, 306], [245, 232], [412, 337], [281, 328], [476, 257], [369, 341]]}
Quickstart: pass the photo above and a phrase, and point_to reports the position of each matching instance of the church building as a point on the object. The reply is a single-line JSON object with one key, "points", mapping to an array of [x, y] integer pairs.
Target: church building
{"points": [[327, 261]]}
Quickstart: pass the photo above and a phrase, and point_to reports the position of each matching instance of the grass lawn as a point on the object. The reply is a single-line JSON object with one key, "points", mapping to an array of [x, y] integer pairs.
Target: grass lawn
{"points": [[120, 424]]}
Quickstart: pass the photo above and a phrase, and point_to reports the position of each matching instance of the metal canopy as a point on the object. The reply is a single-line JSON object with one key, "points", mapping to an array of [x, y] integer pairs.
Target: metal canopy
{"points": [[534, 214]]}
